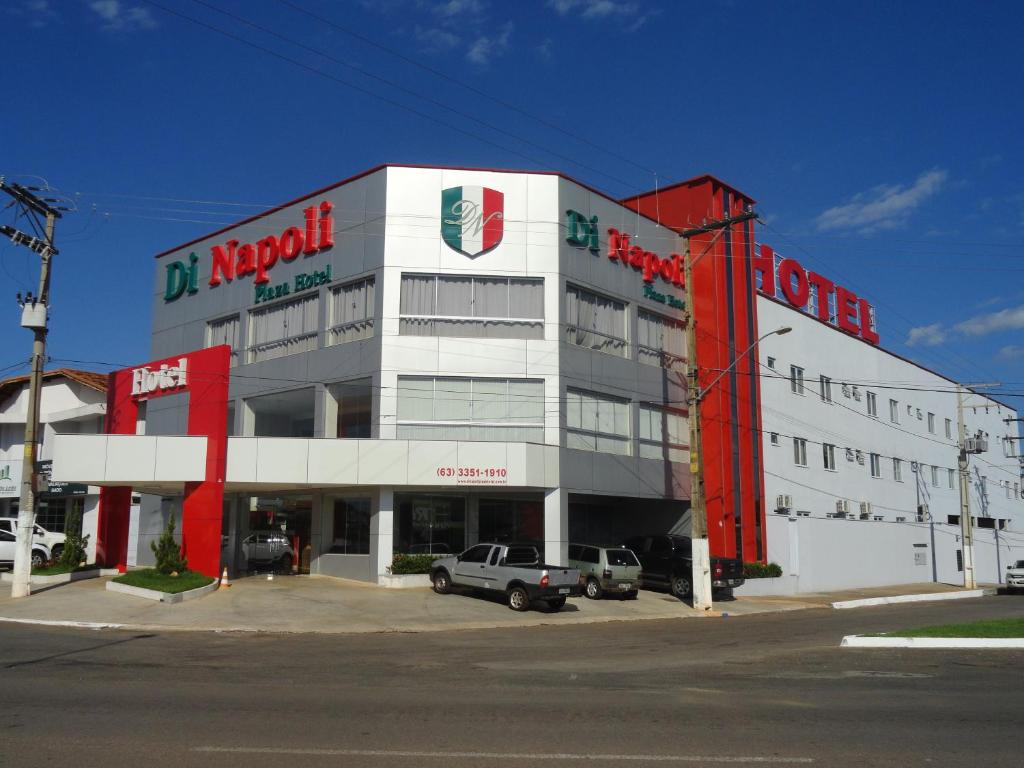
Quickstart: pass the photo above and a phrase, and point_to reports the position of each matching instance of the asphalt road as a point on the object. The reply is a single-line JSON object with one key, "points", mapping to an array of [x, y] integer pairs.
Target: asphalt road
{"points": [[768, 689]]}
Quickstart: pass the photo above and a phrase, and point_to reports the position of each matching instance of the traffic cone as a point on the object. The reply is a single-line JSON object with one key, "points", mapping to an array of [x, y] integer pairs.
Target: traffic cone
{"points": [[224, 581]]}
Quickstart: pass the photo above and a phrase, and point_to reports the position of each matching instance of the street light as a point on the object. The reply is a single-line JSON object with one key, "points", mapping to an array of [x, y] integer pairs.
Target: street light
{"points": [[777, 332], [700, 554]]}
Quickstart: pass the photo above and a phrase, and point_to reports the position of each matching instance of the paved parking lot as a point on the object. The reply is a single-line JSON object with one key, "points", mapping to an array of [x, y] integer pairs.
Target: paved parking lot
{"points": [[325, 605]]}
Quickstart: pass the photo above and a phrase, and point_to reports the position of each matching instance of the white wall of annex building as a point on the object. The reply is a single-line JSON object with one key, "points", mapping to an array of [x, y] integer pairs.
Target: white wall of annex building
{"points": [[879, 551]]}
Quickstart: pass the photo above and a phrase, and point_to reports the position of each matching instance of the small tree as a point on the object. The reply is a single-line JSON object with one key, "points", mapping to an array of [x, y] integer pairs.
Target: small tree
{"points": [[168, 554], [74, 542]]}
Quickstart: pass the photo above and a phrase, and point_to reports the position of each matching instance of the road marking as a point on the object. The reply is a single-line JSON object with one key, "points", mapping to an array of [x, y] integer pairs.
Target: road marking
{"points": [[729, 759], [75, 624]]}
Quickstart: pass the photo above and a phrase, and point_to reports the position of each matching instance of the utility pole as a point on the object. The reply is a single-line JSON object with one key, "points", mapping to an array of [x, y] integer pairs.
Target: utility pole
{"points": [[967, 447], [700, 547], [33, 316]]}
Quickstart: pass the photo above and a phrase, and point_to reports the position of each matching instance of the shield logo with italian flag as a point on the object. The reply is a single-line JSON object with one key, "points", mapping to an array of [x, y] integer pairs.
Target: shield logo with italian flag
{"points": [[472, 219]]}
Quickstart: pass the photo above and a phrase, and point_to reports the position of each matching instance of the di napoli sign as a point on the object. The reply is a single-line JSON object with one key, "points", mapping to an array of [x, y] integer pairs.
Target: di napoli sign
{"points": [[472, 219], [234, 259]]}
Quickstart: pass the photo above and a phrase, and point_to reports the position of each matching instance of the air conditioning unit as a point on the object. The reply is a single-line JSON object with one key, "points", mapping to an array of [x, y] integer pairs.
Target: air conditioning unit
{"points": [[856, 394], [878, 518], [860, 457], [922, 512], [784, 501], [803, 513], [865, 510], [919, 414], [913, 467], [846, 390], [842, 506], [849, 454], [976, 444], [901, 519]]}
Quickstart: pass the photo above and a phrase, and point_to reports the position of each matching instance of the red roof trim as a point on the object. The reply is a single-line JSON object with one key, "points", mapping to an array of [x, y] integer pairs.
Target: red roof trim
{"points": [[384, 166], [702, 177]]}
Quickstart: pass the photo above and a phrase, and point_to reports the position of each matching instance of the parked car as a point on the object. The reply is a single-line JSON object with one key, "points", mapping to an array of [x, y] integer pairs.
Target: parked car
{"points": [[515, 570], [8, 541], [51, 540], [269, 547], [667, 560], [606, 570], [1015, 576]]}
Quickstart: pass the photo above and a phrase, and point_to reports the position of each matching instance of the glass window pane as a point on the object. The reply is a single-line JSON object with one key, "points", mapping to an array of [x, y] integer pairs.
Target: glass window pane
{"points": [[455, 296], [415, 399], [490, 297], [490, 400], [452, 400], [417, 295]]}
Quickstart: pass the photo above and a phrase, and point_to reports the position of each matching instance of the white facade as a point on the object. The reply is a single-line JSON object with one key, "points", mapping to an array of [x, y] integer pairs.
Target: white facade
{"points": [[67, 406], [893, 492]]}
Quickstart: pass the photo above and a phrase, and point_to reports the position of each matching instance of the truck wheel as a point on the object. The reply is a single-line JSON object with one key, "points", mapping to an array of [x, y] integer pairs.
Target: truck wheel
{"points": [[556, 604], [681, 586], [57, 551], [593, 589], [38, 559], [518, 599], [442, 584]]}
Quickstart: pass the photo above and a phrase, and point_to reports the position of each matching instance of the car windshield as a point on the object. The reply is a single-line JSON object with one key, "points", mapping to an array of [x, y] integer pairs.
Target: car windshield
{"points": [[622, 557], [1020, 564]]}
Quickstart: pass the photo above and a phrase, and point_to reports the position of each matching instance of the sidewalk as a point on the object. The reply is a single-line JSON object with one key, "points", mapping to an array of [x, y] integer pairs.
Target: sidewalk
{"points": [[335, 606]]}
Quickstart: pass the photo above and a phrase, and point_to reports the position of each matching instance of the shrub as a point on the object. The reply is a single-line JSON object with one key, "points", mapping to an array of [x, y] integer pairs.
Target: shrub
{"points": [[74, 542], [168, 553], [761, 570], [405, 564]]}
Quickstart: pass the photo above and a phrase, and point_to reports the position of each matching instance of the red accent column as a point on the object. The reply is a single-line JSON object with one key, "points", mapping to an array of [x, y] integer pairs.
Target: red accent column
{"points": [[202, 508]]}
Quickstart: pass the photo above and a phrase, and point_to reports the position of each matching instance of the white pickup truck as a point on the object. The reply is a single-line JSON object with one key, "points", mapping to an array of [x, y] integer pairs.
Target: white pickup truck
{"points": [[1015, 576], [515, 570]]}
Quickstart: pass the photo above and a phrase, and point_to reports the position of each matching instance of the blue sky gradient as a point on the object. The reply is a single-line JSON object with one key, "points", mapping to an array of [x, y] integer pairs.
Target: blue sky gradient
{"points": [[881, 140]]}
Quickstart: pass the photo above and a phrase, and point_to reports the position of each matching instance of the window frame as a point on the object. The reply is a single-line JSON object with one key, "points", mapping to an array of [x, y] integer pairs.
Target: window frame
{"points": [[333, 328], [897, 470], [235, 348], [796, 380], [261, 309], [825, 384], [572, 327], [875, 462], [535, 323], [799, 451], [872, 404], [600, 435], [828, 454]]}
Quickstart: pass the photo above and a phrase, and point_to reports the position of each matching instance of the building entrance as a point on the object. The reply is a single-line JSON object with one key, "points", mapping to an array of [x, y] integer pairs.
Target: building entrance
{"points": [[279, 537]]}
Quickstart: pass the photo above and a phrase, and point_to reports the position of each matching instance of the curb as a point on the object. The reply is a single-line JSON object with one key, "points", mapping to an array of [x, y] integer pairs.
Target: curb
{"points": [[862, 641], [163, 597], [927, 597], [73, 624]]}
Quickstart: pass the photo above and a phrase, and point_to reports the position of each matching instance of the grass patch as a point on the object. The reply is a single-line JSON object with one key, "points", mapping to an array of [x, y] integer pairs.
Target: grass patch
{"points": [[986, 628], [150, 578], [58, 568]]}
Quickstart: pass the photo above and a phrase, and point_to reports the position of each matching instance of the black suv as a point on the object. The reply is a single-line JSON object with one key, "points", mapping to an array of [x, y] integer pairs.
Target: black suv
{"points": [[668, 560]]}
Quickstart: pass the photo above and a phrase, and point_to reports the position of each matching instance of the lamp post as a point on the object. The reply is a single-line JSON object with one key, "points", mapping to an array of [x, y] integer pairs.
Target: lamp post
{"points": [[700, 549]]}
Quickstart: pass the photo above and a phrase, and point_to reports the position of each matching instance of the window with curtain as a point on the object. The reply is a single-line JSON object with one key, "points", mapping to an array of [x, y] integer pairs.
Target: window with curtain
{"points": [[595, 322], [662, 434], [350, 314], [596, 422], [224, 331], [448, 408], [471, 306], [283, 329], [660, 340]]}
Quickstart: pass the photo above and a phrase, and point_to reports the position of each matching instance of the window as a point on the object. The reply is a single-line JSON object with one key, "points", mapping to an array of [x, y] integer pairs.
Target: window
{"points": [[1009, 448], [354, 401], [952, 519], [799, 451], [1006, 484], [829, 456], [596, 422], [224, 331], [894, 412], [429, 525], [660, 340], [935, 476], [950, 477], [774, 438], [283, 329], [826, 389], [478, 307], [872, 404], [663, 434], [771, 362], [350, 315], [876, 465], [351, 527], [796, 379], [949, 429], [1016, 490], [595, 322], [470, 409], [897, 470], [477, 554], [931, 423]]}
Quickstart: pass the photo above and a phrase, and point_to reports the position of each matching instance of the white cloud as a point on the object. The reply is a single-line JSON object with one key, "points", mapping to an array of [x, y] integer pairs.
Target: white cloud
{"points": [[1004, 320], [1010, 352], [435, 39], [926, 335], [453, 8], [486, 47], [38, 13], [117, 17], [594, 9], [884, 207]]}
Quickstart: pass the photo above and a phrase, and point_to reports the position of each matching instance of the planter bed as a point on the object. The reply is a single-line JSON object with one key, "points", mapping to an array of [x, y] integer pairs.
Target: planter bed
{"points": [[155, 593], [404, 581], [48, 579]]}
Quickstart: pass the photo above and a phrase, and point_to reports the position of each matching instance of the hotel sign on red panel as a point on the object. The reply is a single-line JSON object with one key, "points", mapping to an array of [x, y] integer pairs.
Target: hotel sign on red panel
{"points": [[833, 304]]}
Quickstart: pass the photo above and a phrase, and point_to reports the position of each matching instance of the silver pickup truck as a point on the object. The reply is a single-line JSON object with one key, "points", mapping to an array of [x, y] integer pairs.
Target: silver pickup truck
{"points": [[515, 570]]}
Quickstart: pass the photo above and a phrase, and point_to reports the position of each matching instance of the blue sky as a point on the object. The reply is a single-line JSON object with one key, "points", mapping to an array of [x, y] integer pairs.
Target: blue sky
{"points": [[880, 139]]}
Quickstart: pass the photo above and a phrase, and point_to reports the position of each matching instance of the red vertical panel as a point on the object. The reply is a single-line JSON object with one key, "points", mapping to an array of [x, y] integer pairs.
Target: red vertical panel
{"points": [[114, 511]]}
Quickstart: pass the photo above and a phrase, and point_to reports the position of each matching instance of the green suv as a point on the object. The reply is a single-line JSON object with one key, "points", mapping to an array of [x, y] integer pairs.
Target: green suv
{"points": [[613, 570]]}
